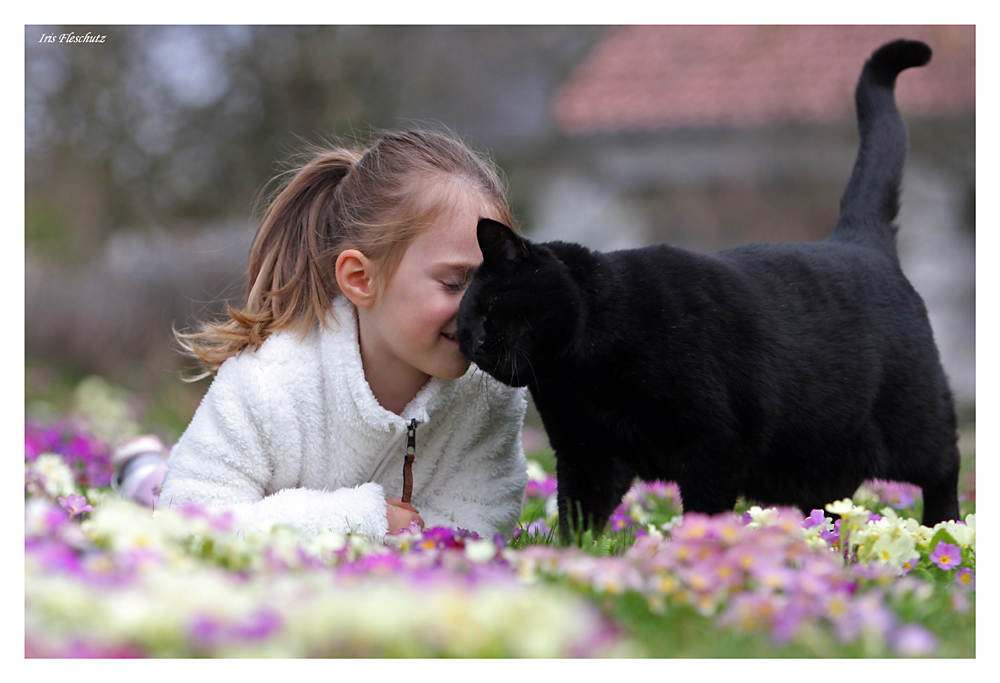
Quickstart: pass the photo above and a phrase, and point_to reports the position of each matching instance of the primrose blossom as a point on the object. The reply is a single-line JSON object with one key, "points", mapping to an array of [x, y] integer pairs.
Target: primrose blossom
{"points": [[51, 475], [946, 555], [966, 578], [854, 514], [964, 533], [540, 483], [261, 592], [74, 504]]}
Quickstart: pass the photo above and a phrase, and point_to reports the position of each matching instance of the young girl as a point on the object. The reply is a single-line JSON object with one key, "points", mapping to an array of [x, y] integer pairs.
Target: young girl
{"points": [[347, 342]]}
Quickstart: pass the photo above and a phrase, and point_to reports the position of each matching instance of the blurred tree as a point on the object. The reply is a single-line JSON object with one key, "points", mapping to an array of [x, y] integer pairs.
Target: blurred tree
{"points": [[174, 125], [144, 155]]}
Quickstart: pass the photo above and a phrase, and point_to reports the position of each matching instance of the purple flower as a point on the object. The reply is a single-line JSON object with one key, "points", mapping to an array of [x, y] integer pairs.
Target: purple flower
{"points": [[831, 537], [913, 640], [86, 456], [54, 557], [946, 555], [966, 578], [906, 500], [31, 449], [204, 632], [42, 518], [788, 620], [262, 624], [620, 521], [814, 518], [540, 489], [897, 494], [442, 537], [659, 489], [538, 527], [379, 564], [867, 613], [74, 504]]}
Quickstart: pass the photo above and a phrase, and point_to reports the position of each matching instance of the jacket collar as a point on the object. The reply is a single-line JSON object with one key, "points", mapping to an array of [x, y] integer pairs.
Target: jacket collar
{"points": [[341, 358]]}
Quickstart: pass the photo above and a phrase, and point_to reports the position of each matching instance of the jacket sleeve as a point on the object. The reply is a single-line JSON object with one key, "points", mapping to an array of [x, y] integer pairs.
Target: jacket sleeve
{"points": [[226, 459], [488, 471]]}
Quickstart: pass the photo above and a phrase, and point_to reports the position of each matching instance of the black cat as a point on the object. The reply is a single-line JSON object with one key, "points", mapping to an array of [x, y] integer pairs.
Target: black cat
{"points": [[788, 373]]}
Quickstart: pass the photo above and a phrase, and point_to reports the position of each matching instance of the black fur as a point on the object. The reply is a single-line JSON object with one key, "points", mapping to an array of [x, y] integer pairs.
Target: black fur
{"points": [[787, 373]]}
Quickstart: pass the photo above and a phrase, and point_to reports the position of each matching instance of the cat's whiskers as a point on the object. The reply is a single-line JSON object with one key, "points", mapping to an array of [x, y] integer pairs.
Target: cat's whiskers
{"points": [[527, 359]]}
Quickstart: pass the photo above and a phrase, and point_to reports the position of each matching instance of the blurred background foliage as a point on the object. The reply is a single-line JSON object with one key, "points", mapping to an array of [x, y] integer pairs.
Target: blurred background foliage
{"points": [[146, 154], [173, 126]]}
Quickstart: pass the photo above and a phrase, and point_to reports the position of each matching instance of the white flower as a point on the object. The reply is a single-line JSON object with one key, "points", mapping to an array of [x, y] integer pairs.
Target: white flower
{"points": [[894, 547], [57, 478], [854, 516], [761, 517], [535, 472], [964, 534], [551, 510], [480, 550], [841, 507]]}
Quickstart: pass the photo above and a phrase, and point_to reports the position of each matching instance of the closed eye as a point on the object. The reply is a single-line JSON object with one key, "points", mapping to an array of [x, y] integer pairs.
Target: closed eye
{"points": [[454, 287]]}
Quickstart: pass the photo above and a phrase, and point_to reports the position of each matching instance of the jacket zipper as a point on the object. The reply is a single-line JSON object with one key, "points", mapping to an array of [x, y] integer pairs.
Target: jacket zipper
{"points": [[410, 454]]}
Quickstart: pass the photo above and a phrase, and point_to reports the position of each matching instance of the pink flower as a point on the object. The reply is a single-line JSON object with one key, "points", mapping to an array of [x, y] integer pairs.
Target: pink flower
{"points": [[74, 504], [946, 555]]}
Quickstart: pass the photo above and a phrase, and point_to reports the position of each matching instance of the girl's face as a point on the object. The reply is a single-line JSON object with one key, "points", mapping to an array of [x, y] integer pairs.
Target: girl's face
{"points": [[410, 330]]}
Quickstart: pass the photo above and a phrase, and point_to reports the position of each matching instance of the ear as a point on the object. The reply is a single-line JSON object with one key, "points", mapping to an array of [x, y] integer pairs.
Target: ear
{"points": [[354, 277], [498, 242]]}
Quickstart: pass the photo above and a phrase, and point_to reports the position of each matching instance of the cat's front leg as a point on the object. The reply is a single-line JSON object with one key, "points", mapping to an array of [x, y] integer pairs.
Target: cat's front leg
{"points": [[591, 486], [709, 483]]}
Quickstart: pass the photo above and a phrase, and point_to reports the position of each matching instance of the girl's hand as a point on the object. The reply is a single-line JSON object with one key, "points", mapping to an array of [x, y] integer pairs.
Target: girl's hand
{"points": [[400, 514]]}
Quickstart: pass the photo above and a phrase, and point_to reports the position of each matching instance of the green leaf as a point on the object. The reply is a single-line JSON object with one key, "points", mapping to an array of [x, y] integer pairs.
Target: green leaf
{"points": [[942, 536]]}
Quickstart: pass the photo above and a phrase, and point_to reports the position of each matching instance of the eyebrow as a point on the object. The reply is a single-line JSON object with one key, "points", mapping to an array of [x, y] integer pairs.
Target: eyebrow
{"points": [[462, 268]]}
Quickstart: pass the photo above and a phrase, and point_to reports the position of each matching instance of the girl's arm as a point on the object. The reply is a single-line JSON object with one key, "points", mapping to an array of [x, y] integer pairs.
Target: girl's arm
{"points": [[226, 459]]}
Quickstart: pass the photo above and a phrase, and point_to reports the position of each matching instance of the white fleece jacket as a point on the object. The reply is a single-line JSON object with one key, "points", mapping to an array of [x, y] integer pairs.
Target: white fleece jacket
{"points": [[292, 434]]}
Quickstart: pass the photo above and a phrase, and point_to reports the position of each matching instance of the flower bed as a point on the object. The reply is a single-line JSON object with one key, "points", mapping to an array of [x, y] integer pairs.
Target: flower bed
{"points": [[105, 577]]}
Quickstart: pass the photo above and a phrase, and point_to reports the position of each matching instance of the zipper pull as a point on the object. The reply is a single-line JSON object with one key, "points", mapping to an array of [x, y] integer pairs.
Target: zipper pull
{"points": [[411, 453]]}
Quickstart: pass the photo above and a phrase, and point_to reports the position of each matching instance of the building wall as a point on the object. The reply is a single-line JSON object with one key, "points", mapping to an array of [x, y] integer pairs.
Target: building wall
{"points": [[717, 189]]}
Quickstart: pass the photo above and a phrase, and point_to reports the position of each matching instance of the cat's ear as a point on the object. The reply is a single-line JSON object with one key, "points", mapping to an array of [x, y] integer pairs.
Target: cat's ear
{"points": [[498, 242]]}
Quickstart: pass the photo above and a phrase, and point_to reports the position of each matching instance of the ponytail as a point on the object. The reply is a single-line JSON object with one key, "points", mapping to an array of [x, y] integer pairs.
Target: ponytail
{"points": [[338, 199], [286, 285]]}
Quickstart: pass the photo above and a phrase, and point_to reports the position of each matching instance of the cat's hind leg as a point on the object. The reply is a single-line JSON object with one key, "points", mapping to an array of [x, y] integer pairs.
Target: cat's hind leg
{"points": [[708, 485], [941, 496]]}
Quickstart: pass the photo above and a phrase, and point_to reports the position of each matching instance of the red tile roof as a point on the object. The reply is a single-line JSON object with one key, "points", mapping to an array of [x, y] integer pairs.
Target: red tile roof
{"points": [[657, 77]]}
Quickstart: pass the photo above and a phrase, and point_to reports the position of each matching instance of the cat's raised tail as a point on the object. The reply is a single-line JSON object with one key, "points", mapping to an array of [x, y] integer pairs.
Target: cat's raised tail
{"points": [[870, 202]]}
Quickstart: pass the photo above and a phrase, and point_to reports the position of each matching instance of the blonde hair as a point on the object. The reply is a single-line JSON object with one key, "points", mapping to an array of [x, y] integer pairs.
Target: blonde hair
{"points": [[375, 200]]}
